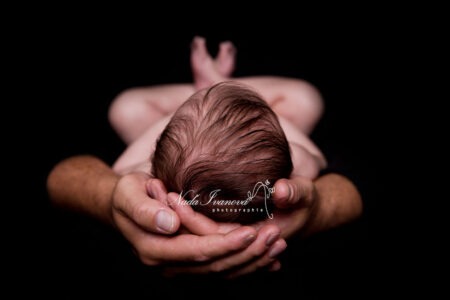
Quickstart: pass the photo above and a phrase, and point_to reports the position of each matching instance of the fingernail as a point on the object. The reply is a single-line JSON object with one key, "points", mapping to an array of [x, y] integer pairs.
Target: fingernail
{"points": [[284, 192], [276, 250], [164, 221], [272, 239], [249, 239]]}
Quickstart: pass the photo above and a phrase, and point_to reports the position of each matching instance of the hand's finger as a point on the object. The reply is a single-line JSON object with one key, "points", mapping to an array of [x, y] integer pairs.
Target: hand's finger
{"points": [[297, 191], [149, 214], [156, 190], [188, 247], [267, 259], [275, 266], [195, 222], [266, 237]]}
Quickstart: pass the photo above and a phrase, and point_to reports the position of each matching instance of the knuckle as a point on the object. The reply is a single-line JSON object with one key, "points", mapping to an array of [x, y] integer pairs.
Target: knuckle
{"points": [[140, 212], [149, 262], [142, 254], [200, 258], [152, 182], [295, 196], [217, 267], [263, 262], [257, 251], [146, 258], [155, 182]]}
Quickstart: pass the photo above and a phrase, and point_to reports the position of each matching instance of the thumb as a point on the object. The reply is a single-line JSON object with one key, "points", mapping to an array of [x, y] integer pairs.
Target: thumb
{"points": [[156, 190], [155, 216], [152, 215], [297, 191]]}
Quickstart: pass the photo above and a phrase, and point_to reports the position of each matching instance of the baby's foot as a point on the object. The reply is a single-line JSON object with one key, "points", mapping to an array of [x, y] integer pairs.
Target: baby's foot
{"points": [[225, 59], [204, 68]]}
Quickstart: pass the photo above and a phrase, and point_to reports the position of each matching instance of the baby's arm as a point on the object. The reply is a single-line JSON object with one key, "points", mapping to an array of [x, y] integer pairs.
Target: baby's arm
{"points": [[135, 110], [137, 155], [296, 100], [305, 164], [299, 107], [308, 160]]}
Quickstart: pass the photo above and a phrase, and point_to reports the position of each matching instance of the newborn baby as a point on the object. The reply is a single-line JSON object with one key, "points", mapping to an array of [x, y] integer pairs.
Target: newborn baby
{"points": [[223, 143], [217, 142]]}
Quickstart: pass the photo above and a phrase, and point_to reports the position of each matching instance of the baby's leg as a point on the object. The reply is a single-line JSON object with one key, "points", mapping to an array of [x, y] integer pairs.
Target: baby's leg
{"points": [[135, 110], [225, 59], [206, 70], [294, 99]]}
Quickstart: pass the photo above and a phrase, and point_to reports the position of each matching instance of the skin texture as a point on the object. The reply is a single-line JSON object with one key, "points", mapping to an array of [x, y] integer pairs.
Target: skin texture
{"points": [[164, 233]]}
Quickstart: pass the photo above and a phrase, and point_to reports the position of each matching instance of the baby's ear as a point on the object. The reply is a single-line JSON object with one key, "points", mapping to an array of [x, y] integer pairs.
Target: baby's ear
{"points": [[156, 190]]}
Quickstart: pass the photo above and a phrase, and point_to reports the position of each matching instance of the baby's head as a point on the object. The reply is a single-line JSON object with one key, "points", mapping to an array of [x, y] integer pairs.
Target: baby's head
{"points": [[218, 145]]}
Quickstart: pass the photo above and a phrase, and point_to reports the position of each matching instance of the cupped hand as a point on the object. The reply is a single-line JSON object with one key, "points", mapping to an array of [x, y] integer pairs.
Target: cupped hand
{"points": [[296, 205], [261, 253], [140, 213]]}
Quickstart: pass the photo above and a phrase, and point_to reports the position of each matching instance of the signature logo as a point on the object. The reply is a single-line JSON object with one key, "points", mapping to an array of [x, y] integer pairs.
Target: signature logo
{"points": [[212, 199]]}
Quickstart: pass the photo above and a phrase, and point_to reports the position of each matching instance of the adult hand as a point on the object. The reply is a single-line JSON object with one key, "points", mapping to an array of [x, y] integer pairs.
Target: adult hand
{"points": [[296, 201], [261, 253], [330, 201], [296, 204], [146, 222]]}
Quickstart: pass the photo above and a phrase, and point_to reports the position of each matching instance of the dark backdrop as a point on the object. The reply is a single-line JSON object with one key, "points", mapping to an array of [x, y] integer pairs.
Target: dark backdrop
{"points": [[71, 79]]}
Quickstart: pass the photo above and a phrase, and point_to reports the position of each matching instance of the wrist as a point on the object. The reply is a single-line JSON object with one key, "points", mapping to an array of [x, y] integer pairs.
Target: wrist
{"points": [[106, 188], [84, 184], [337, 201], [98, 181], [316, 214]]}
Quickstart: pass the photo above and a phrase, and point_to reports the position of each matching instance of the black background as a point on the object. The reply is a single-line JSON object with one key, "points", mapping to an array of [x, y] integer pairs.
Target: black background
{"points": [[68, 77]]}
